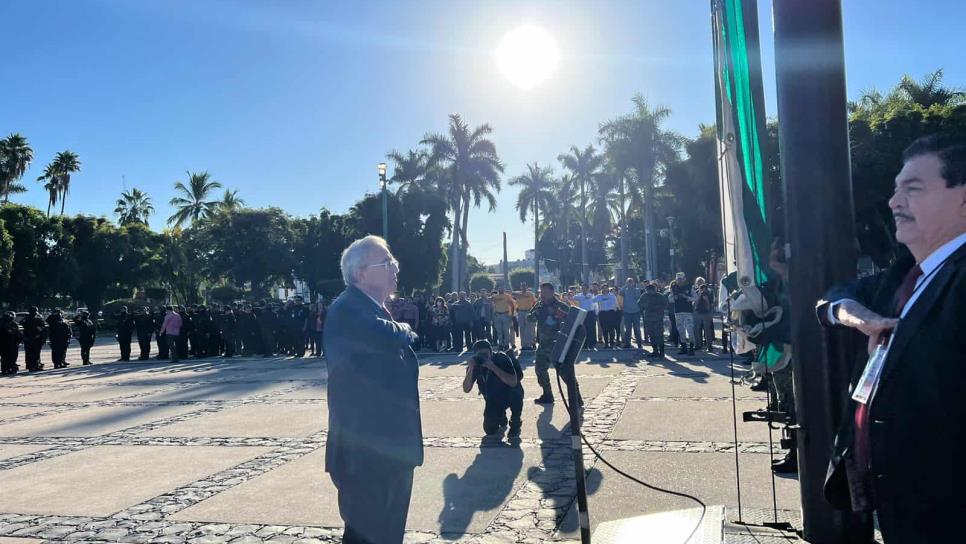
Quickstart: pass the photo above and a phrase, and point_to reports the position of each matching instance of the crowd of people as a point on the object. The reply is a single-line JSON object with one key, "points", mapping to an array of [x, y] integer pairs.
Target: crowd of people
{"points": [[680, 310], [291, 328]]}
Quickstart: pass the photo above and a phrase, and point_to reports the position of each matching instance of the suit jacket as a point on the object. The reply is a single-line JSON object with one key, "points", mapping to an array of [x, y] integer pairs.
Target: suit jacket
{"points": [[373, 393], [917, 418]]}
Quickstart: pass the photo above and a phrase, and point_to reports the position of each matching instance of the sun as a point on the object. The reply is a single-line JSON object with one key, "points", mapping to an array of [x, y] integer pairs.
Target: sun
{"points": [[527, 56]]}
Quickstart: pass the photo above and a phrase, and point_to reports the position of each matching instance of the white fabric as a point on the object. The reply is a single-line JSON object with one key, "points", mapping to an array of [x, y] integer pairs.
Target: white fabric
{"points": [[607, 302]]}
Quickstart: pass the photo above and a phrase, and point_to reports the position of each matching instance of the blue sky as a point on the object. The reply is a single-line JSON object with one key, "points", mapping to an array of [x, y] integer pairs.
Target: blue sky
{"points": [[294, 103]]}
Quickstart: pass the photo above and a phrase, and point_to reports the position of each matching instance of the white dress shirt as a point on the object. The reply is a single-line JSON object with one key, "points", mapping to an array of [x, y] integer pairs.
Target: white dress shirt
{"points": [[607, 302]]}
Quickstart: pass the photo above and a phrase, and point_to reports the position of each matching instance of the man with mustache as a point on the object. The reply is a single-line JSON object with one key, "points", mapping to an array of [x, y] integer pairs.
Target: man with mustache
{"points": [[897, 449]]}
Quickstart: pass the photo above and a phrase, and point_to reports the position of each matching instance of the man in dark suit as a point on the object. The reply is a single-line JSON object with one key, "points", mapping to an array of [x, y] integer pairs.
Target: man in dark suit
{"points": [[375, 432], [898, 449]]}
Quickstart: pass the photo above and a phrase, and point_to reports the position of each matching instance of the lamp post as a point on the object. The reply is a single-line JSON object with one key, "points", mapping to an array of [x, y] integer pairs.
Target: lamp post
{"points": [[670, 234], [385, 199]]}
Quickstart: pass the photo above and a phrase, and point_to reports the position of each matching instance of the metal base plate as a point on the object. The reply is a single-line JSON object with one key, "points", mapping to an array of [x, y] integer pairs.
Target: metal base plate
{"points": [[666, 527]]}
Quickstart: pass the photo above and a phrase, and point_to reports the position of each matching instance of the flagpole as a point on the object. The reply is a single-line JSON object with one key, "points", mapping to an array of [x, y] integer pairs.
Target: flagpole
{"points": [[820, 232]]}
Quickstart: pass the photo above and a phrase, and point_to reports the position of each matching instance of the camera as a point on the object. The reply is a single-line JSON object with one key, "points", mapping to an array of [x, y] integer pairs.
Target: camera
{"points": [[479, 359]]}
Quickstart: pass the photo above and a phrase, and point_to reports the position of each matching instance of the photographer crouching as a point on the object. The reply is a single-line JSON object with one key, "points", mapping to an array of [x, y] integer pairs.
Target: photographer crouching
{"points": [[497, 376]]}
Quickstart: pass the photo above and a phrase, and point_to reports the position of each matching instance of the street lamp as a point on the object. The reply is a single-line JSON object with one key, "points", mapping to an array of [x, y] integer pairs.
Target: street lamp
{"points": [[670, 232], [385, 199]]}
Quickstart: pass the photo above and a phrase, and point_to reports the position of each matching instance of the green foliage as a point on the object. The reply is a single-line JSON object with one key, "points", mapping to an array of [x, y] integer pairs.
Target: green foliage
{"points": [[250, 247], [6, 255], [481, 280], [226, 294], [522, 275], [156, 294], [319, 243]]}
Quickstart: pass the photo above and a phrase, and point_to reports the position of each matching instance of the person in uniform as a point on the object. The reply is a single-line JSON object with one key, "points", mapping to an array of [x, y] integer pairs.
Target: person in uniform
{"points": [[11, 334], [34, 336], [525, 301], [125, 329], [85, 331], [229, 330], [547, 315], [60, 334], [144, 325], [186, 327], [158, 316], [654, 305], [266, 329], [298, 320]]}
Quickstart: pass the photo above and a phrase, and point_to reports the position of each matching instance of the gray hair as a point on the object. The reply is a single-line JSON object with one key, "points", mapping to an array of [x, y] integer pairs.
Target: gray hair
{"points": [[354, 256]]}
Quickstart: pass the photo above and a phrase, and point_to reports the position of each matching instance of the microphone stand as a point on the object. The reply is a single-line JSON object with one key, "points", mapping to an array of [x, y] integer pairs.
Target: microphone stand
{"points": [[565, 370]]}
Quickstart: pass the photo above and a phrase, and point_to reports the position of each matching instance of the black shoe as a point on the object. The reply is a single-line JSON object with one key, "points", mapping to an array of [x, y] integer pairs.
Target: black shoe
{"points": [[788, 465], [691, 349], [683, 351], [88, 363], [544, 399], [760, 386]]}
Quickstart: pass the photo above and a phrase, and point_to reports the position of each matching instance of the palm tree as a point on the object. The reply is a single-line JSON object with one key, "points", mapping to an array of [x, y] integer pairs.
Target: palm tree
{"points": [[193, 204], [585, 167], [64, 164], [469, 170], [15, 157], [134, 206], [535, 192], [409, 170], [51, 185], [637, 144], [563, 206], [230, 202], [930, 91]]}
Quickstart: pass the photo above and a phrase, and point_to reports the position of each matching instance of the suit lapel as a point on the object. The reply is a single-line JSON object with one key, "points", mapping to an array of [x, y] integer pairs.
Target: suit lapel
{"points": [[912, 323]]}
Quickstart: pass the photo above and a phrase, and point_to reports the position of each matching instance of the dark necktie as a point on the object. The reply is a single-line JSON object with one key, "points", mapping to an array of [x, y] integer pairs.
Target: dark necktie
{"points": [[862, 440]]}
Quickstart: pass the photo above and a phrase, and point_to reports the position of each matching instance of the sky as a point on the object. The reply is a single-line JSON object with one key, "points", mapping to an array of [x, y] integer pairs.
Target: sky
{"points": [[293, 103]]}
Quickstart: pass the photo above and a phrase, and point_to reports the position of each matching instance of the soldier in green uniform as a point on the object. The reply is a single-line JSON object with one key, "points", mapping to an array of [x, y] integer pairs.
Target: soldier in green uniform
{"points": [[548, 314]]}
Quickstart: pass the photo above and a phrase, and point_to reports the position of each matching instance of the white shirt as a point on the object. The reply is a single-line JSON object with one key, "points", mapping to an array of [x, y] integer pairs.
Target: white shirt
{"points": [[585, 301], [929, 267], [607, 302]]}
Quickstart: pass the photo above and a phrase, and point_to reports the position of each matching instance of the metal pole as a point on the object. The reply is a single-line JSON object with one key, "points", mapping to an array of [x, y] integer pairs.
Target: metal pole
{"points": [[385, 212], [506, 267], [814, 149]]}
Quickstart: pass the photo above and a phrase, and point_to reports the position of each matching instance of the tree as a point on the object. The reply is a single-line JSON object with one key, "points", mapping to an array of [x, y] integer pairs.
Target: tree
{"points": [[880, 128], [637, 142], [320, 240], [64, 164], [40, 248], [585, 167], [193, 204], [409, 170], [469, 171], [230, 202], [51, 185], [6, 255], [15, 157], [535, 192], [250, 246], [521, 276], [480, 281], [134, 206]]}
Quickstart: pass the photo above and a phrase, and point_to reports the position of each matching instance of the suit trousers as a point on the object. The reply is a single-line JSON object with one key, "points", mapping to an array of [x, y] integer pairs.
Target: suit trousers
{"points": [[375, 504]]}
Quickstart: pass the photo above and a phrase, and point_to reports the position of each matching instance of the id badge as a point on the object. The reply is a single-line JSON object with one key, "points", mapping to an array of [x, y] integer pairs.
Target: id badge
{"points": [[869, 381]]}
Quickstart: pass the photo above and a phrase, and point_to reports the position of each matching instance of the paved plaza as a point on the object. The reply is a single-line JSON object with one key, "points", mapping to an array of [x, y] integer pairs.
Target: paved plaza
{"points": [[216, 450]]}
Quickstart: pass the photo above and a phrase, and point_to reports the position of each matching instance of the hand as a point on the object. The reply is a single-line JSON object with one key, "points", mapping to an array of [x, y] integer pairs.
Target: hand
{"points": [[488, 364]]}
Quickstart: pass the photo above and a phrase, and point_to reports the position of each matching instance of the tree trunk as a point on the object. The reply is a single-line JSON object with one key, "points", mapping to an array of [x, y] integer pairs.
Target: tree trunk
{"points": [[454, 250], [464, 247], [584, 274], [650, 248], [536, 252], [623, 226]]}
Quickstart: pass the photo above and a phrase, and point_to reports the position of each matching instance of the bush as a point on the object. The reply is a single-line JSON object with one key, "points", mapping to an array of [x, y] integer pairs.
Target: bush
{"points": [[330, 289], [118, 292], [522, 275], [481, 280]]}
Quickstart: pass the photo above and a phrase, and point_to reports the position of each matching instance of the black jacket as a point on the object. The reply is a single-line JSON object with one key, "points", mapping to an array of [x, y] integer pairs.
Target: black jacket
{"points": [[917, 418], [373, 391]]}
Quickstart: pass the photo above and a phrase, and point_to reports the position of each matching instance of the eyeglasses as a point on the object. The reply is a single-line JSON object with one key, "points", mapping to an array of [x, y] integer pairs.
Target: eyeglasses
{"points": [[387, 264]]}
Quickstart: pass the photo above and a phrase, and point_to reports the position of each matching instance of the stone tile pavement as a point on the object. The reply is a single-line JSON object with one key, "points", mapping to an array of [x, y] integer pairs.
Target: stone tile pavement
{"points": [[215, 450]]}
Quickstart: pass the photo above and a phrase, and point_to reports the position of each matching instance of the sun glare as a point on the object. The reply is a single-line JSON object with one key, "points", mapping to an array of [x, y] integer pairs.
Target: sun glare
{"points": [[527, 55]]}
